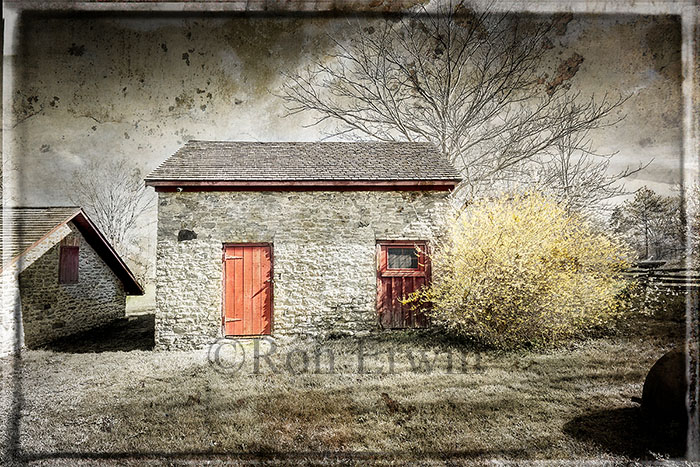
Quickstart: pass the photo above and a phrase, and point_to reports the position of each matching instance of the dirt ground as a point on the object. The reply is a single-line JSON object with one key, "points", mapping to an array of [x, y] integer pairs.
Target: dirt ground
{"points": [[387, 399]]}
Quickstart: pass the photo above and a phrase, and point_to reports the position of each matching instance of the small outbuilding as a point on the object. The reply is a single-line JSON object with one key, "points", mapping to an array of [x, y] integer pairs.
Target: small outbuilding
{"points": [[60, 276], [294, 238]]}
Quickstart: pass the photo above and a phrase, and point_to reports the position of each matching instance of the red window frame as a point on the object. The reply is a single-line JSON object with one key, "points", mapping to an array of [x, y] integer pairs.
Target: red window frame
{"points": [[68, 264], [422, 269]]}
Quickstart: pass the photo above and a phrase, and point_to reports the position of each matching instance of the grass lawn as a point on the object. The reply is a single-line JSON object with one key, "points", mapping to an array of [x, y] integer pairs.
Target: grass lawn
{"points": [[138, 407]]}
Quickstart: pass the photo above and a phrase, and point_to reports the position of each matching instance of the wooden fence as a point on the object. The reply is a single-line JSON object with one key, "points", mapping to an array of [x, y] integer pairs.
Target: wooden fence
{"points": [[669, 278]]}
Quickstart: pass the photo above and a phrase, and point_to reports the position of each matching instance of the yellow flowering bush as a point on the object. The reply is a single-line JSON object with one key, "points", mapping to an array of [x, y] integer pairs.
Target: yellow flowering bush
{"points": [[519, 270]]}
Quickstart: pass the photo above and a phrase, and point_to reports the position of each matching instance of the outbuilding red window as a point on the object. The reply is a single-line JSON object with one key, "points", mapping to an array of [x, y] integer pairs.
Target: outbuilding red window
{"points": [[69, 259]]}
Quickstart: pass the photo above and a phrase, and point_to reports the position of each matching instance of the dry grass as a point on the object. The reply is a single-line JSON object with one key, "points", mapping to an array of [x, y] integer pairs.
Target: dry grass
{"points": [[149, 407]]}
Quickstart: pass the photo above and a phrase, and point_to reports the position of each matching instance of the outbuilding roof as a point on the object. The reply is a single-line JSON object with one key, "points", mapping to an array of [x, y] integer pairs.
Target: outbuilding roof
{"points": [[30, 225], [319, 164]]}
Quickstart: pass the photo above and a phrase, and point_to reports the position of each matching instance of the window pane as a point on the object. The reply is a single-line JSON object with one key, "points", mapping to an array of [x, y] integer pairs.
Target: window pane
{"points": [[402, 258]]}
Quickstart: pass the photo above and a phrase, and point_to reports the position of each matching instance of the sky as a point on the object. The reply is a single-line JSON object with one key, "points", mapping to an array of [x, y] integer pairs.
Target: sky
{"points": [[79, 89]]}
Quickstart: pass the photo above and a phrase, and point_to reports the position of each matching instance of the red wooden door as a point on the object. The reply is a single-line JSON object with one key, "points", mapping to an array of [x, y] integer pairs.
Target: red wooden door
{"points": [[247, 289], [403, 267]]}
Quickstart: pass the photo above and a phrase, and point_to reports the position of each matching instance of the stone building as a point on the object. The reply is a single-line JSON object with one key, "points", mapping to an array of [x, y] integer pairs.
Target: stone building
{"points": [[60, 275], [289, 239]]}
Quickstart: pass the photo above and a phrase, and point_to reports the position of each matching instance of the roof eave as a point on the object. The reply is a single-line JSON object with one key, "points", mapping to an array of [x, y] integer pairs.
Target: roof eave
{"points": [[287, 185], [103, 248]]}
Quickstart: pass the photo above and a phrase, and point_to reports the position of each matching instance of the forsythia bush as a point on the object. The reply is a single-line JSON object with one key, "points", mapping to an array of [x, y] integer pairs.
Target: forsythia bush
{"points": [[520, 270]]}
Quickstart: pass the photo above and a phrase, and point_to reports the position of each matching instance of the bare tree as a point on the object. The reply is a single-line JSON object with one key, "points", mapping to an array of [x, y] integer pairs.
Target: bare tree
{"points": [[652, 223], [472, 82], [114, 195], [575, 174]]}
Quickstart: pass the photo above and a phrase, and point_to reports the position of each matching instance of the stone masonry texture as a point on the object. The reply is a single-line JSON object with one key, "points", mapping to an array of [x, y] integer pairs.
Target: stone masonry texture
{"points": [[323, 250], [51, 310], [11, 337]]}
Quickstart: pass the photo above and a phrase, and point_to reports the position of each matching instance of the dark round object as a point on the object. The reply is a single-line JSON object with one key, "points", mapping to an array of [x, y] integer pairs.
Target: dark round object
{"points": [[665, 387]]}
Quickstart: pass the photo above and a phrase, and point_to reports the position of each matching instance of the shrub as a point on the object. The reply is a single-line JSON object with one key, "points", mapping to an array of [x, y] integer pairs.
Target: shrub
{"points": [[656, 301], [520, 271]]}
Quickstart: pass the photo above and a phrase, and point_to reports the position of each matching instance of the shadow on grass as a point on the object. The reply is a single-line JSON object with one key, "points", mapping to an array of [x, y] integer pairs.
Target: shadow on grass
{"points": [[293, 457], [631, 326], [125, 334], [627, 432]]}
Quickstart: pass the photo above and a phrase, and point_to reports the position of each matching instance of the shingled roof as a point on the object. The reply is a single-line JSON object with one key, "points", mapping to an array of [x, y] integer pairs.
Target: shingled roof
{"points": [[30, 225], [236, 163]]}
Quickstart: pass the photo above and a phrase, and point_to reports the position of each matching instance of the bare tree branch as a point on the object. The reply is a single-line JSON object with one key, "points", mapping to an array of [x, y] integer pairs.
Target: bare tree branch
{"points": [[113, 194], [469, 81]]}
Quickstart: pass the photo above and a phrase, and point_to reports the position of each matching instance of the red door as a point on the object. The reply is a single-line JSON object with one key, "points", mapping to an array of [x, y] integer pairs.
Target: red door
{"points": [[247, 289], [403, 267]]}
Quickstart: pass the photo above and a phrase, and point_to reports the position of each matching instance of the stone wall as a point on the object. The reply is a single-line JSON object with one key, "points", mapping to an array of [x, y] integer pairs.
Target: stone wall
{"points": [[51, 310], [324, 247], [11, 335]]}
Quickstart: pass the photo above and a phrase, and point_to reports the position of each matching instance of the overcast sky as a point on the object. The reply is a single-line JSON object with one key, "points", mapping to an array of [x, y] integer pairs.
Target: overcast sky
{"points": [[139, 88]]}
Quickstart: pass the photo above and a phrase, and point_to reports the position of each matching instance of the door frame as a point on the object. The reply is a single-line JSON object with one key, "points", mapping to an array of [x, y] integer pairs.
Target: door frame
{"points": [[380, 270], [223, 288]]}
